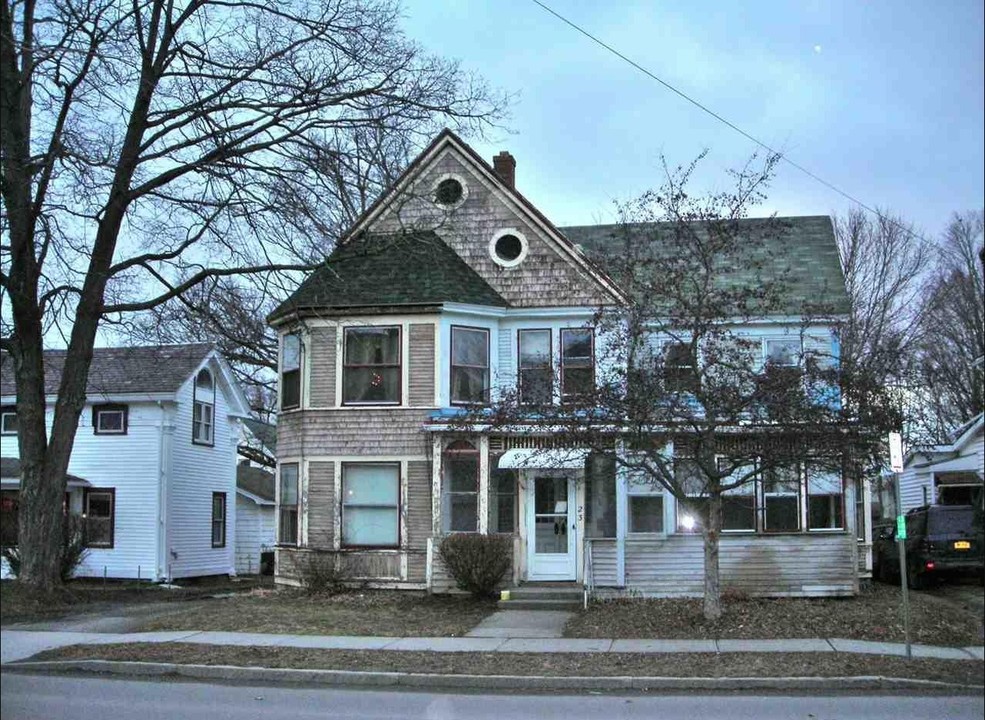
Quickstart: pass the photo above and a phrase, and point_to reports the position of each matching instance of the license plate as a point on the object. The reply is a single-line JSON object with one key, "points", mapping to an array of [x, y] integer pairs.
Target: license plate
{"points": [[962, 545]]}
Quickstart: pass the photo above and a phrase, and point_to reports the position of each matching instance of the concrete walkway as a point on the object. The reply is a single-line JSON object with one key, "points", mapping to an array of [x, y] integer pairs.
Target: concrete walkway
{"points": [[21, 644], [522, 624]]}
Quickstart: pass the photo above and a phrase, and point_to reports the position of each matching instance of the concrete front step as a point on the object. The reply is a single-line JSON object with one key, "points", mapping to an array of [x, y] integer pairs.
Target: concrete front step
{"points": [[540, 604], [571, 593]]}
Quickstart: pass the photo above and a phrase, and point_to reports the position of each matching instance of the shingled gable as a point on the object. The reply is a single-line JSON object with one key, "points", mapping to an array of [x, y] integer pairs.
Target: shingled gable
{"points": [[121, 370], [804, 246], [447, 138], [390, 269]]}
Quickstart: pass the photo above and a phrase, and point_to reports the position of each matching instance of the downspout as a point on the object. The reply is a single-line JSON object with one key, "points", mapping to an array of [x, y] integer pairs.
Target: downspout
{"points": [[162, 500]]}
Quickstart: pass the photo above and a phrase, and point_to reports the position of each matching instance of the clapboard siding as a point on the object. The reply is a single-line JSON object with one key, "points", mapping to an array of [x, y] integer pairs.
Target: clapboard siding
{"points": [[545, 278], [196, 472], [322, 371], [442, 581], [254, 534], [779, 565], [321, 505], [420, 370], [418, 518], [352, 432]]}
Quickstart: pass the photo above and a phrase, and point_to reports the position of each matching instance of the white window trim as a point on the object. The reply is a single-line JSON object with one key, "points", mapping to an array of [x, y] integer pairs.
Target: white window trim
{"points": [[524, 248], [458, 203], [404, 326], [656, 490], [784, 339], [3, 422]]}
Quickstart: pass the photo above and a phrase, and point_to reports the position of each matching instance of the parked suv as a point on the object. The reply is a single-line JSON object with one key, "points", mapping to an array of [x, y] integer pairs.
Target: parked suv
{"points": [[941, 540]]}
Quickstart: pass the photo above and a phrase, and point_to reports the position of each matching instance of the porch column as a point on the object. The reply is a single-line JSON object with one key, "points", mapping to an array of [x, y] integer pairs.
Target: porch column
{"points": [[435, 485], [483, 484], [621, 508]]}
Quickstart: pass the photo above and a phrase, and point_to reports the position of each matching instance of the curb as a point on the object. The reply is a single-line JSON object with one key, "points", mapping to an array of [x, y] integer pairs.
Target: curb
{"points": [[360, 678]]}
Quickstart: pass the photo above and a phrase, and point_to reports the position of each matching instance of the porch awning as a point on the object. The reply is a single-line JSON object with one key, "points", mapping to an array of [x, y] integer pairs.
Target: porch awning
{"points": [[962, 464], [10, 475], [529, 458]]}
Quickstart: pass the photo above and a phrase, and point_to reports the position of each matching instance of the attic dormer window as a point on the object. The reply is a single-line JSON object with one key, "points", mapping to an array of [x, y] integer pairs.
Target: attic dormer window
{"points": [[203, 409], [450, 191], [508, 248]]}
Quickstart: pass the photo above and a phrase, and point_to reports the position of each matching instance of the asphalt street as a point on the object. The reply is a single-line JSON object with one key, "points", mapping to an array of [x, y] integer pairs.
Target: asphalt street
{"points": [[55, 698]]}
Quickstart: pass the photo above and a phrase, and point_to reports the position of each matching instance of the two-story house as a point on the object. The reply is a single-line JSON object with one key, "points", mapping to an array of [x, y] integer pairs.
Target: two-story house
{"points": [[451, 287], [153, 467]]}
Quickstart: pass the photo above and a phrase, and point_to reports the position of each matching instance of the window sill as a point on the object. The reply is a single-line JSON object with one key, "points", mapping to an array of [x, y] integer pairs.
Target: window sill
{"points": [[362, 548], [202, 443]]}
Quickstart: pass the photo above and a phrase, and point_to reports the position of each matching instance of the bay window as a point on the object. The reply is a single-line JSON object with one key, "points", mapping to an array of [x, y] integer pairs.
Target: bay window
{"points": [[371, 505], [469, 366], [371, 368], [290, 371], [288, 505]]}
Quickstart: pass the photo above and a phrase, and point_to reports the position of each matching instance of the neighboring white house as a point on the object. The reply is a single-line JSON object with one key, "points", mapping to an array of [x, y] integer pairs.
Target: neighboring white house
{"points": [[948, 474], [153, 468], [256, 519]]}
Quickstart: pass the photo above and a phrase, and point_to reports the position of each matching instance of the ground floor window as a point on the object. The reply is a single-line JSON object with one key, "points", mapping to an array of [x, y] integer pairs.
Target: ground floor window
{"points": [[9, 508], [502, 499], [460, 488], [781, 499], [371, 505], [98, 513], [287, 505], [646, 505], [218, 519], [825, 499]]}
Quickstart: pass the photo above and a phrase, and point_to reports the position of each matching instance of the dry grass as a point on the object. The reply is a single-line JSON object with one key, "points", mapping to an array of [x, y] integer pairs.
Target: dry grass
{"points": [[397, 613], [551, 664], [875, 614]]}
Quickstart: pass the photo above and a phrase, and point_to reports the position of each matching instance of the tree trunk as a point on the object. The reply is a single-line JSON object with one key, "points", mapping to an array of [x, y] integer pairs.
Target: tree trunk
{"points": [[713, 589]]}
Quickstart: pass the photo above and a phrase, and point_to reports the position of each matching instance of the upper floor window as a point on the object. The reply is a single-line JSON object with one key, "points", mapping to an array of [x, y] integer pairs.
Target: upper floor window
{"points": [[577, 363], [371, 369], [110, 419], [536, 373], [8, 420], [203, 408], [678, 368], [290, 371], [469, 365], [783, 353]]}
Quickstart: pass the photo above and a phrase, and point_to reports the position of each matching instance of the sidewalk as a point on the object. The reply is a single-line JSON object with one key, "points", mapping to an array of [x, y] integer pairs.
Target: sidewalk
{"points": [[20, 644]]}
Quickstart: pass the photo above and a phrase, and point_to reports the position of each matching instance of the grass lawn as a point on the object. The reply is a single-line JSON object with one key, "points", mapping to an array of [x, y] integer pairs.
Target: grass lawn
{"points": [[398, 613], [18, 604], [875, 614], [967, 672]]}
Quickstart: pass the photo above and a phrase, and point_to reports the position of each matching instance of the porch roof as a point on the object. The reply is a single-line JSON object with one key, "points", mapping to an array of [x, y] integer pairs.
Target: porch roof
{"points": [[530, 458], [10, 475]]}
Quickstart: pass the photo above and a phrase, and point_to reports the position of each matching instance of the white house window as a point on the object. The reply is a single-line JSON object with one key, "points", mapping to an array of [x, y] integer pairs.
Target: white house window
{"points": [[536, 373], [781, 499], [508, 248], [502, 499], [577, 363], [460, 488], [646, 505], [678, 367], [203, 409], [825, 499], [290, 371], [110, 419], [218, 519], [739, 503], [691, 514], [783, 353], [8, 420], [469, 366], [371, 371], [287, 504], [98, 511], [371, 505]]}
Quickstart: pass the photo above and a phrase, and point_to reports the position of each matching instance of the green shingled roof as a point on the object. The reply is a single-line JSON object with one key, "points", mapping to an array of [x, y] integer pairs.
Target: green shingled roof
{"points": [[805, 247], [391, 269]]}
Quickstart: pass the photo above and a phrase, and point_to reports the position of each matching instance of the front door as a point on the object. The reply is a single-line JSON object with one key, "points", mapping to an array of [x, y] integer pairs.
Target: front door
{"points": [[551, 541]]}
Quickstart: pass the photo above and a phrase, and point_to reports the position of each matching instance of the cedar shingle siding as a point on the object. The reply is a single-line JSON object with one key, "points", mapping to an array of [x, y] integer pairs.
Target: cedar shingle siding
{"points": [[321, 504], [420, 391], [323, 367]]}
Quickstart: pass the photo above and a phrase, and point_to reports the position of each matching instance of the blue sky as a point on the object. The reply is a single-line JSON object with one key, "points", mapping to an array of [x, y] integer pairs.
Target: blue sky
{"points": [[882, 99]]}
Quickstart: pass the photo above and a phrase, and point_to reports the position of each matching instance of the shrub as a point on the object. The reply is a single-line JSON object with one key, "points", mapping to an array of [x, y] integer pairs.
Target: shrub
{"points": [[477, 562], [74, 550], [319, 573]]}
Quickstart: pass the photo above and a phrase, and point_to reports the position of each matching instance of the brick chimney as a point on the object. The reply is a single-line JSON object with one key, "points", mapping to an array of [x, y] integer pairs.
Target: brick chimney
{"points": [[505, 166]]}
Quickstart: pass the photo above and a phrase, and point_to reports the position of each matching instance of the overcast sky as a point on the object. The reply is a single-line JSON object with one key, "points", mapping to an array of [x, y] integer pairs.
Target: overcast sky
{"points": [[882, 99]]}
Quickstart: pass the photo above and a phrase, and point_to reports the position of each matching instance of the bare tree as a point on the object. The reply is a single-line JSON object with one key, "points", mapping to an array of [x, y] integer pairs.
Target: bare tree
{"points": [[149, 146], [952, 318], [682, 398]]}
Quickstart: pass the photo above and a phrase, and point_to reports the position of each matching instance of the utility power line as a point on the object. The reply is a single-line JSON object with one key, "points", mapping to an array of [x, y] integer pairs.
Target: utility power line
{"points": [[731, 125]]}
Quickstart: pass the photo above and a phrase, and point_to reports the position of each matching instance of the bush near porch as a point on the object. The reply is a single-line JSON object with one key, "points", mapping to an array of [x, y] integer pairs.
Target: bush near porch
{"points": [[874, 614]]}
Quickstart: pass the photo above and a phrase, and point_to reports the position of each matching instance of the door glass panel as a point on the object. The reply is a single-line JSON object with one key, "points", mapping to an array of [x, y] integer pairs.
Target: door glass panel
{"points": [[551, 515]]}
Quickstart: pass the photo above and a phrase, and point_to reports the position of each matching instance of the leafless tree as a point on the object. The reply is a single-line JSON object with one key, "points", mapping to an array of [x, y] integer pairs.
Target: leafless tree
{"points": [[682, 398], [952, 317], [149, 146]]}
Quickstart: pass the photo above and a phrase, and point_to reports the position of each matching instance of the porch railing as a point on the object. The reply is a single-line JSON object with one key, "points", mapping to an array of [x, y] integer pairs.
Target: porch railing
{"points": [[587, 574]]}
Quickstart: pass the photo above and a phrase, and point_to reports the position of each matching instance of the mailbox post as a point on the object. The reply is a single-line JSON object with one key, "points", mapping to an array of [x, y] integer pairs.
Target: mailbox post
{"points": [[896, 464]]}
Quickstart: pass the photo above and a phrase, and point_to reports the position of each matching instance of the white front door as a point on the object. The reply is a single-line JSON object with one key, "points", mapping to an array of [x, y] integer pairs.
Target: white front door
{"points": [[551, 542]]}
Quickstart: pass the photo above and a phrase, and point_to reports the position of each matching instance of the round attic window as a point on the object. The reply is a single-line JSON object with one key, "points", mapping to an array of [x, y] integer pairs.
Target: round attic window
{"points": [[508, 248], [450, 191]]}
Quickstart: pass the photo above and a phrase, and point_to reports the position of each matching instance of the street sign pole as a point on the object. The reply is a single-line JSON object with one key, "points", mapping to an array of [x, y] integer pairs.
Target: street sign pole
{"points": [[896, 463]]}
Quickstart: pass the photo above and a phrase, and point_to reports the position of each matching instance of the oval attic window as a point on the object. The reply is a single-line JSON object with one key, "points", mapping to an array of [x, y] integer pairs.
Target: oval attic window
{"points": [[508, 248], [448, 192]]}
